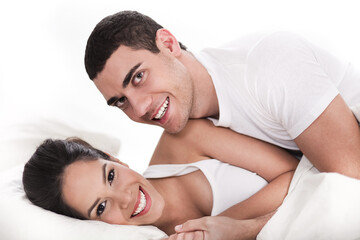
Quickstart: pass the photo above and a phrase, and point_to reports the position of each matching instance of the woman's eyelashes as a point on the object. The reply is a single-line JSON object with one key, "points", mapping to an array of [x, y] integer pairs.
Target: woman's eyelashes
{"points": [[111, 176], [102, 206]]}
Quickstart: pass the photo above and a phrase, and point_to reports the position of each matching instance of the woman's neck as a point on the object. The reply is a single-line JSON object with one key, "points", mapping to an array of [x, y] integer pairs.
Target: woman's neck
{"points": [[179, 204]]}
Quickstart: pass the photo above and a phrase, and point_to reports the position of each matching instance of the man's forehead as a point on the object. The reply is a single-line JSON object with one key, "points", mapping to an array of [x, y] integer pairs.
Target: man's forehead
{"points": [[121, 61]]}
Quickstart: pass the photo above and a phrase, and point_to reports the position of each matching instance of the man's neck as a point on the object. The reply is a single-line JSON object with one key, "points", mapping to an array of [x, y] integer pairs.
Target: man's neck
{"points": [[205, 100]]}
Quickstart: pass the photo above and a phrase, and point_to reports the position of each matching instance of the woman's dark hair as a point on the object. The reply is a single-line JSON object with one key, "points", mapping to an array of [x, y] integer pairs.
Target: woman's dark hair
{"points": [[43, 173], [128, 28]]}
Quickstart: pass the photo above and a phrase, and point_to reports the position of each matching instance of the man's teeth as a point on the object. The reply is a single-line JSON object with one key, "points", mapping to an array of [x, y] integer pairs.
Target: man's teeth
{"points": [[162, 110], [142, 204]]}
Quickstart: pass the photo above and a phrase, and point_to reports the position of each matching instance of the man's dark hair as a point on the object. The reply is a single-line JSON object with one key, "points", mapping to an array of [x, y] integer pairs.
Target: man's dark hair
{"points": [[43, 173], [128, 28]]}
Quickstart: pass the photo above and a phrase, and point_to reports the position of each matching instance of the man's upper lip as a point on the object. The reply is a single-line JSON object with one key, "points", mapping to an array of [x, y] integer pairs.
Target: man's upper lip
{"points": [[157, 109]]}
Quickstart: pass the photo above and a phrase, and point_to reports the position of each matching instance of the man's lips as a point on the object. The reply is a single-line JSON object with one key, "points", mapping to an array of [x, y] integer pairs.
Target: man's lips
{"points": [[162, 112]]}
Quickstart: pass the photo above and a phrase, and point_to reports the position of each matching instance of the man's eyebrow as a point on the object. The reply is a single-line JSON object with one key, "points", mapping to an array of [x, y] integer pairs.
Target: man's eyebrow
{"points": [[111, 101], [98, 199], [129, 75], [126, 82]]}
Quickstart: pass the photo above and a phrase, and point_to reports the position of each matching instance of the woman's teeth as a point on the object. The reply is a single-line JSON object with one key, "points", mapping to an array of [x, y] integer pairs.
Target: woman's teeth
{"points": [[162, 110], [142, 204]]}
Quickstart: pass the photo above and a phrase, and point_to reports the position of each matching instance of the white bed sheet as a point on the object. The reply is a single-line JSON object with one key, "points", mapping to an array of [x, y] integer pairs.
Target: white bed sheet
{"points": [[318, 206]]}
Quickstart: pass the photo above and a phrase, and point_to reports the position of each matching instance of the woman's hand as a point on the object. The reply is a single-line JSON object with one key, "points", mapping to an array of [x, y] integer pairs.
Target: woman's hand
{"points": [[217, 228]]}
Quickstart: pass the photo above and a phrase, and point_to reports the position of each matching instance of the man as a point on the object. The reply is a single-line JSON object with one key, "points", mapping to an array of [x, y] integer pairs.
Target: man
{"points": [[278, 88]]}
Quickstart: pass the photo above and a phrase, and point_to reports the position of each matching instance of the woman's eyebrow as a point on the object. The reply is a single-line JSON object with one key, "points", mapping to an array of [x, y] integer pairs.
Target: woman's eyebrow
{"points": [[104, 173], [92, 207], [98, 199]]}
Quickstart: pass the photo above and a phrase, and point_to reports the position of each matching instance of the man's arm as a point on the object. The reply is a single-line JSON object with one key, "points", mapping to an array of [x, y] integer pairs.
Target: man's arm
{"points": [[332, 141]]}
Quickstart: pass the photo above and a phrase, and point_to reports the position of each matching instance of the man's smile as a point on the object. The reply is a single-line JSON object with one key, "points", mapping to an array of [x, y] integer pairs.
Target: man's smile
{"points": [[162, 112]]}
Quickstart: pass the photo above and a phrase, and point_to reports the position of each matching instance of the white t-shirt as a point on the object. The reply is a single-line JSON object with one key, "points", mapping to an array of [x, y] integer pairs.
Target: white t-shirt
{"points": [[273, 87]]}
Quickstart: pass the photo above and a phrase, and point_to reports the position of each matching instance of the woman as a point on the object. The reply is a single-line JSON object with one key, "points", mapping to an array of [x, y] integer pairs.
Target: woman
{"points": [[183, 181]]}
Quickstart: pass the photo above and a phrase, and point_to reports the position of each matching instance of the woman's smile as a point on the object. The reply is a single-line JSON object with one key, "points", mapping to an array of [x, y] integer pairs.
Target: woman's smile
{"points": [[121, 195], [142, 205]]}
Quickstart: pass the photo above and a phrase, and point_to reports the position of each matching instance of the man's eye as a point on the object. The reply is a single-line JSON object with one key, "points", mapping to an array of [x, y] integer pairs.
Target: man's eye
{"points": [[120, 103], [137, 78], [111, 176], [101, 208]]}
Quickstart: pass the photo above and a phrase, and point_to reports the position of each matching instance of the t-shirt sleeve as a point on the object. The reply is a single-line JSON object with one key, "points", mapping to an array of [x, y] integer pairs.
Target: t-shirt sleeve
{"points": [[288, 83]]}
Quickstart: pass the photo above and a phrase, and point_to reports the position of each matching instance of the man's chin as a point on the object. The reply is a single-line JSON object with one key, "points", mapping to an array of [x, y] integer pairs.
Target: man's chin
{"points": [[174, 129]]}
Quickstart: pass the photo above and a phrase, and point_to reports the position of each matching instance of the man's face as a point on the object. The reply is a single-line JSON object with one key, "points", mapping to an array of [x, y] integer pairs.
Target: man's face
{"points": [[150, 88]]}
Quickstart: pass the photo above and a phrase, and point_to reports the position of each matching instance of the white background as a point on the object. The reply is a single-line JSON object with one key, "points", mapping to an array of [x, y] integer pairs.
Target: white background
{"points": [[42, 48]]}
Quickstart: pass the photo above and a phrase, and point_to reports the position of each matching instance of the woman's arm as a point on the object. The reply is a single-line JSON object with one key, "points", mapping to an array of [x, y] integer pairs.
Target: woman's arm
{"points": [[241, 221], [265, 201], [200, 139], [220, 228]]}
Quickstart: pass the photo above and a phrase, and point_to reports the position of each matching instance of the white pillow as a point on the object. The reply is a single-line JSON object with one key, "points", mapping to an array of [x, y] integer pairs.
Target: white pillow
{"points": [[19, 139], [21, 220]]}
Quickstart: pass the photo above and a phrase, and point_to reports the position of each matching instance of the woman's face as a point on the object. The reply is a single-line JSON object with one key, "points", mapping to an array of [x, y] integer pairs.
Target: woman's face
{"points": [[111, 192]]}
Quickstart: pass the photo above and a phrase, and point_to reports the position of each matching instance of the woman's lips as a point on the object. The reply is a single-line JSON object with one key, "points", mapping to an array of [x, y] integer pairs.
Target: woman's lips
{"points": [[143, 203]]}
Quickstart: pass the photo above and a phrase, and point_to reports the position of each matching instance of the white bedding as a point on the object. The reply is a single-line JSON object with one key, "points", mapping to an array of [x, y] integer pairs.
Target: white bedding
{"points": [[21, 220], [318, 206]]}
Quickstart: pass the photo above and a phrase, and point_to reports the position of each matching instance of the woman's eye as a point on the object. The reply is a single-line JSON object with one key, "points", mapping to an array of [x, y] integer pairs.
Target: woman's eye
{"points": [[138, 77], [100, 209], [120, 102], [111, 176]]}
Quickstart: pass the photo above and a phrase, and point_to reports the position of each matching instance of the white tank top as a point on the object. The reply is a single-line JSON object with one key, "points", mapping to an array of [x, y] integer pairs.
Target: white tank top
{"points": [[229, 184]]}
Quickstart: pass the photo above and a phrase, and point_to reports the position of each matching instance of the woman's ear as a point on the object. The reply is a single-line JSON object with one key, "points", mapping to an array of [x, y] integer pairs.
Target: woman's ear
{"points": [[165, 40]]}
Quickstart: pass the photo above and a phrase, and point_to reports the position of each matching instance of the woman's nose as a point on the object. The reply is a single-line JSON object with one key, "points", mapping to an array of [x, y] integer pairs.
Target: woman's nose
{"points": [[123, 198]]}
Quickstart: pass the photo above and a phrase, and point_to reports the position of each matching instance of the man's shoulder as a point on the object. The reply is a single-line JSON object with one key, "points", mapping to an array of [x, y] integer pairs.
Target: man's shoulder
{"points": [[239, 49]]}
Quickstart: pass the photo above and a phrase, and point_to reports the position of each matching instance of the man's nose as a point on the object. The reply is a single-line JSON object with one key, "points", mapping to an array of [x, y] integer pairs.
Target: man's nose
{"points": [[141, 105]]}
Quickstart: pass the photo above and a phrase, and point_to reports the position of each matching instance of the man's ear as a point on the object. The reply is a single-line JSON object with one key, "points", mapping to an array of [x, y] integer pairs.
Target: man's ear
{"points": [[165, 40]]}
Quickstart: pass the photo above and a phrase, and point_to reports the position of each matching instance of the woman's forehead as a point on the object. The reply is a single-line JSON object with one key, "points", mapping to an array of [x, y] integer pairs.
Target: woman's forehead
{"points": [[81, 180]]}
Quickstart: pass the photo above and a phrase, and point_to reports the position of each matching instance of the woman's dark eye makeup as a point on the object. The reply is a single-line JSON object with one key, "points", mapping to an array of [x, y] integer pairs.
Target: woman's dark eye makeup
{"points": [[101, 207], [111, 176]]}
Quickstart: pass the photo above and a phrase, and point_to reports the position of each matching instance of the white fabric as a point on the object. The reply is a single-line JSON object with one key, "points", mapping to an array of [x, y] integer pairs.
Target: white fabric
{"points": [[21, 220], [273, 87], [321, 206], [229, 184]]}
